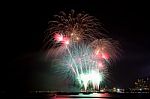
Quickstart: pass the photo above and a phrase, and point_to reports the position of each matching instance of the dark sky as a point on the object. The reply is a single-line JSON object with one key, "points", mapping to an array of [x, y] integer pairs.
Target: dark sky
{"points": [[22, 40]]}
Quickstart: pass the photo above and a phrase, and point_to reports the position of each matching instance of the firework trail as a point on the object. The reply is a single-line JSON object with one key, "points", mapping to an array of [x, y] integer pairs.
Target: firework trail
{"points": [[83, 64], [81, 48]]}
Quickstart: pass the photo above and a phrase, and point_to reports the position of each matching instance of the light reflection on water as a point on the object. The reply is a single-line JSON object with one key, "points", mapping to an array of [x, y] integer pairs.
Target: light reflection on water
{"points": [[84, 96]]}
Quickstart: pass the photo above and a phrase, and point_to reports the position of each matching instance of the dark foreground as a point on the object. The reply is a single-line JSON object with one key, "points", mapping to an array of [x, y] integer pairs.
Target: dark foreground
{"points": [[75, 96]]}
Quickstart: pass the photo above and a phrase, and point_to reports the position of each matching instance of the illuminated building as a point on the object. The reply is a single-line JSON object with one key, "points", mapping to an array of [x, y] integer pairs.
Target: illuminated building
{"points": [[142, 84]]}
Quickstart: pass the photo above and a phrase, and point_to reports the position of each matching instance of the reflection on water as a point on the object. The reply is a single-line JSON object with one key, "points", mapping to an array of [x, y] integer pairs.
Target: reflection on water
{"points": [[84, 96], [77, 95]]}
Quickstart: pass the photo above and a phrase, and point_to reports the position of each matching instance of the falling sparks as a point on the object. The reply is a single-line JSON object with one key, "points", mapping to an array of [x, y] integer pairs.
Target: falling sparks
{"points": [[84, 50]]}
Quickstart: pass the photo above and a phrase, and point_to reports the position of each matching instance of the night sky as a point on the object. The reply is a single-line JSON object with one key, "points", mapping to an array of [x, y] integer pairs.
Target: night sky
{"points": [[22, 40]]}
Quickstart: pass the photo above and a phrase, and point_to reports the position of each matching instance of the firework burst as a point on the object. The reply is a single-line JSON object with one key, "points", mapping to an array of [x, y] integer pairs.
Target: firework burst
{"points": [[80, 48], [77, 27], [106, 48]]}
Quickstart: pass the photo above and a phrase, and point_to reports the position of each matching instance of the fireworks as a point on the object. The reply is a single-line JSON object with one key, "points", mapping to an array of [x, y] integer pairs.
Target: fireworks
{"points": [[77, 27], [107, 49], [93, 77], [85, 53]]}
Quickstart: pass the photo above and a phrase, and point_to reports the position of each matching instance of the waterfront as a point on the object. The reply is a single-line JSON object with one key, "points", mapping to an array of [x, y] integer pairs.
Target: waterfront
{"points": [[76, 96]]}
